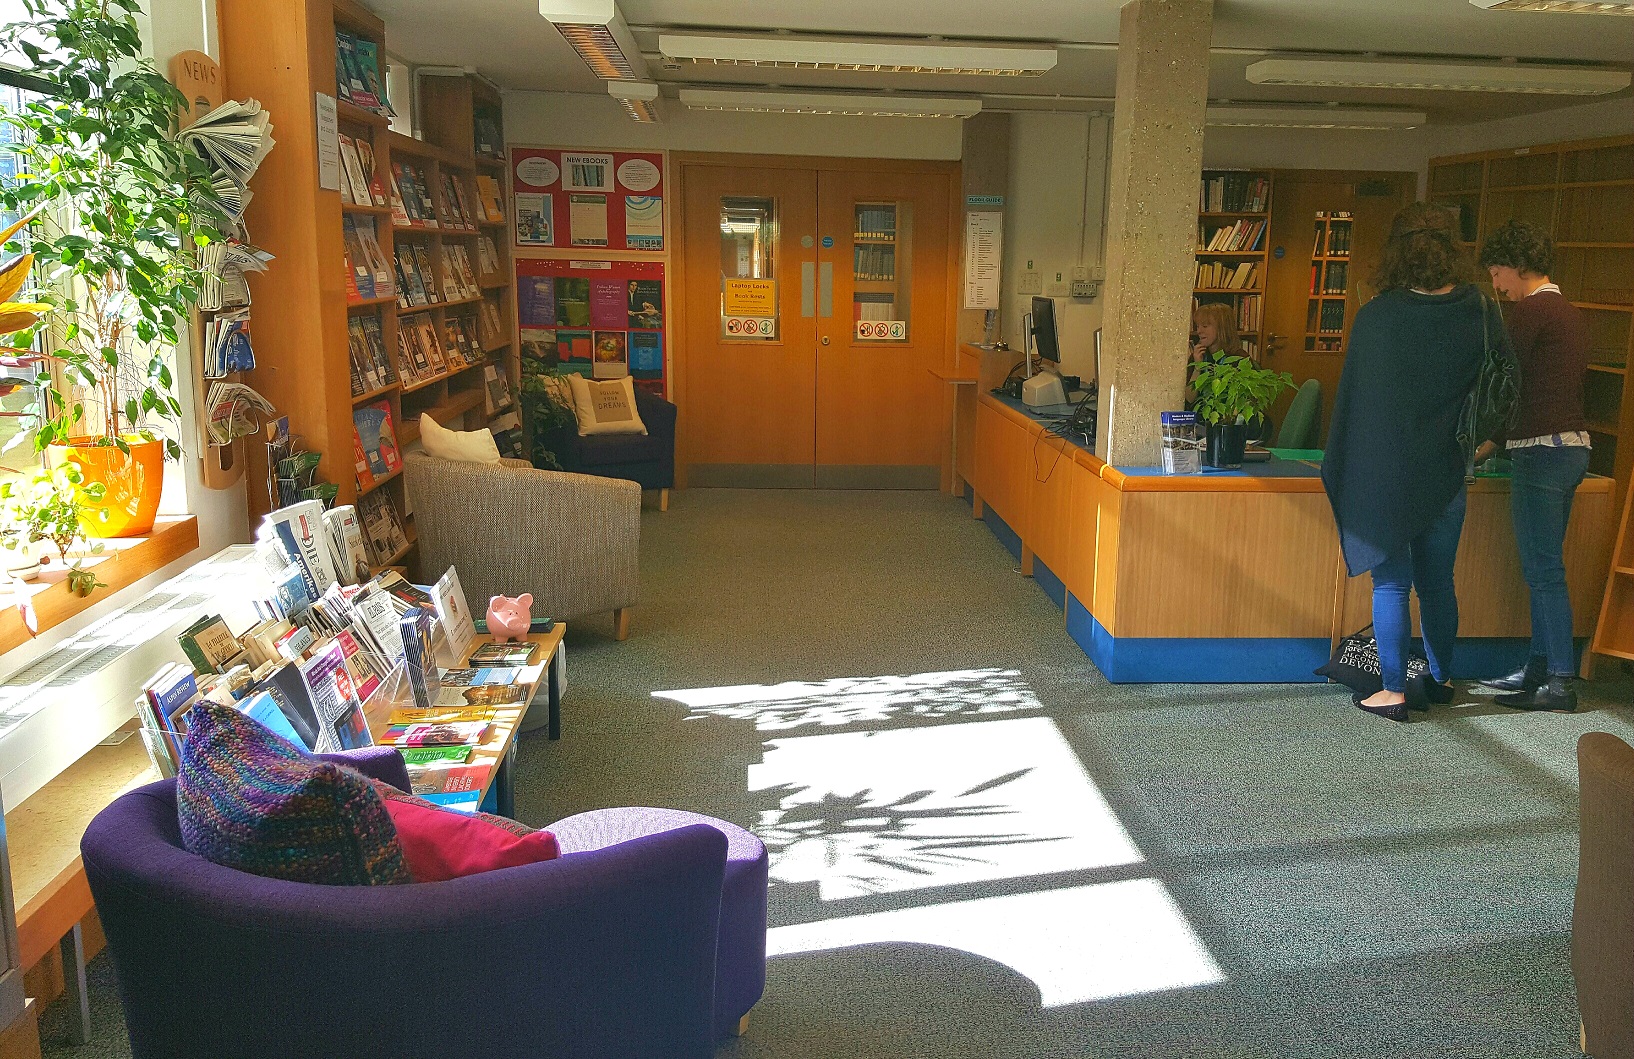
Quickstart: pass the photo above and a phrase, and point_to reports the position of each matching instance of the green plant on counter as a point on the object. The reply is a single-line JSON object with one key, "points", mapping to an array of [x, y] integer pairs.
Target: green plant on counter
{"points": [[46, 507], [1236, 390], [545, 413]]}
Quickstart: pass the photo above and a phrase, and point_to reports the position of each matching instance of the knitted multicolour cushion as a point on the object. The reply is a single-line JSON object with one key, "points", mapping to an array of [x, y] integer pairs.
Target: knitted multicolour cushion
{"points": [[250, 800]]}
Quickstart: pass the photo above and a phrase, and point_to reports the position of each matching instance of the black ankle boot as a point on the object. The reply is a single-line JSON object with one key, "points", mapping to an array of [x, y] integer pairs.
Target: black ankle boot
{"points": [[1529, 677], [1555, 694]]}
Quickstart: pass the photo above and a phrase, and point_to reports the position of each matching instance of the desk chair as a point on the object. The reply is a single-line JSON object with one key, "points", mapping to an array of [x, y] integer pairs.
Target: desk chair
{"points": [[1302, 427]]}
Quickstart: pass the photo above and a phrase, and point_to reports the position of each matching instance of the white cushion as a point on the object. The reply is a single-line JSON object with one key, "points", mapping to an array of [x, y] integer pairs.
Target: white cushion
{"points": [[462, 446], [605, 406]]}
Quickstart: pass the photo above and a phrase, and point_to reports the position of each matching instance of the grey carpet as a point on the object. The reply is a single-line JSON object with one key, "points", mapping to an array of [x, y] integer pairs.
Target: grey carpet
{"points": [[1015, 858]]}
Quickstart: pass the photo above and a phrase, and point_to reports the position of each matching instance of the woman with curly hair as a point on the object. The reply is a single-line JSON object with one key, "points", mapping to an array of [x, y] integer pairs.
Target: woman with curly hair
{"points": [[1549, 447], [1394, 465]]}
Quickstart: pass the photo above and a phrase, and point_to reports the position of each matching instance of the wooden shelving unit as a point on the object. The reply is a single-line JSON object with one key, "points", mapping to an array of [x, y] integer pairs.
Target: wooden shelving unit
{"points": [[1327, 319], [1583, 193], [302, 309], [1228, 188]]}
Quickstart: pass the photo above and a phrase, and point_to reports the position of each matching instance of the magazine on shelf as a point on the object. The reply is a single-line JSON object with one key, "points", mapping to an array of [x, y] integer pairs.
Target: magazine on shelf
{"points": [[345, 533], [235, 138], [299, 527], [459, 627], [334, 700]]}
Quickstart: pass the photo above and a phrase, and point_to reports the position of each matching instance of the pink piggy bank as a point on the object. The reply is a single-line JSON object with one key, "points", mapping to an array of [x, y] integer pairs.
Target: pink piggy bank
{"points": [[509, 619]]}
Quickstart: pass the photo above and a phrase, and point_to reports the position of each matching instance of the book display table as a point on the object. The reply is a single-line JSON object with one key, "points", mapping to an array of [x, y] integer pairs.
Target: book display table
{"points": [[494, 758]]}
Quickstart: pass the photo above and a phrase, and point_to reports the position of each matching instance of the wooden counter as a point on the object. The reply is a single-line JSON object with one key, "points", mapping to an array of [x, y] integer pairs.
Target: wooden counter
{"points": [[1236, 576]]}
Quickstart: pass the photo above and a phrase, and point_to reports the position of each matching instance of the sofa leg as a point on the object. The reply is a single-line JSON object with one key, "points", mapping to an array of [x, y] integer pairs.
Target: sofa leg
{"points": [[621, 624], [663, 499], [743, 1024]]}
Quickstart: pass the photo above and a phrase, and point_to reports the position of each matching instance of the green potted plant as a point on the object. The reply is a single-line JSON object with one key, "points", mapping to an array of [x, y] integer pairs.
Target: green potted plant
{"points": [[545, 413], [46, 507], [1232, 391], [124, 208]]}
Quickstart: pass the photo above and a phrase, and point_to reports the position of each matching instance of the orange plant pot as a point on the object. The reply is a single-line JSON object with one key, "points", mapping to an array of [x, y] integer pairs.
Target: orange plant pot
{"points": [[131, 484]]}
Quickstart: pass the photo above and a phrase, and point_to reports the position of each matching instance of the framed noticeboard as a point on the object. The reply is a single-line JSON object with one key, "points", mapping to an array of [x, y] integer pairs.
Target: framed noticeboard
{"points": [[601, 319], [588, 200]]}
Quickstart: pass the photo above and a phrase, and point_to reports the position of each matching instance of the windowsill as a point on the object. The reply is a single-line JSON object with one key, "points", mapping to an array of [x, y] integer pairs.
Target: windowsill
{"points": [[34, 607]]}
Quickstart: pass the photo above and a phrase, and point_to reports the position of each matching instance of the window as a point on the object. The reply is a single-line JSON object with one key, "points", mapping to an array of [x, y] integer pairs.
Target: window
{"points": [[16, 452]]}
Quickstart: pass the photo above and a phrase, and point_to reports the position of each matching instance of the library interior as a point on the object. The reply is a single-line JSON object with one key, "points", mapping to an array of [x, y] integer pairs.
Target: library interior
{"points": [[1080, 528]]}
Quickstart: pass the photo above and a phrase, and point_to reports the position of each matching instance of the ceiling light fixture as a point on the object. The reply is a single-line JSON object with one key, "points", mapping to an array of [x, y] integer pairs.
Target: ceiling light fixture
{"points": [[1570, 7], [851, 53], [1318, 117], [598, 33], [1438, 77], [839, 103], [639, 98]]}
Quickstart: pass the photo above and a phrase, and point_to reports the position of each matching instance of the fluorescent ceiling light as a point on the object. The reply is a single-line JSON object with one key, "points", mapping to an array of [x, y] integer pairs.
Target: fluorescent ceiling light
{"points": [[639, 98], [1318, 117], [844, 103], [598, 33], [1573, 7], [1434, 76], [849, 53]]}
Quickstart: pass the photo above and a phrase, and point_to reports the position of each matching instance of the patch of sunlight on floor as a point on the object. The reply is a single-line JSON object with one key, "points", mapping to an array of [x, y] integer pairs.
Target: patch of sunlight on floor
{"points": [[884, 812], [1077, 945], [861, 700]]}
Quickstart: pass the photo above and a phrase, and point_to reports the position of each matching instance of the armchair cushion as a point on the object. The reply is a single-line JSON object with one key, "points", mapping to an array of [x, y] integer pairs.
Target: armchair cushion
{"points": [[250, 800], [605, 406], [464, 446], [441, 844]]}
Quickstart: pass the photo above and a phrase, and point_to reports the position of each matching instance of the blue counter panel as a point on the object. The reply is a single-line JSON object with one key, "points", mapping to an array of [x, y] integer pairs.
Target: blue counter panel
{"points": [[1199, 660]]}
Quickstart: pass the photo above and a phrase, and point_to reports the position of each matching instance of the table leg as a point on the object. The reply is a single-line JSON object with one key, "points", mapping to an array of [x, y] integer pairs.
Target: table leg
{"points": [[553, 692], [505, 785], [73, 983]]}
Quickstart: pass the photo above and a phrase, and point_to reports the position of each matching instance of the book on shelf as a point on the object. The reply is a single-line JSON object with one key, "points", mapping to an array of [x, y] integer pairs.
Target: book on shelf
{"points": [[354, 188], [358, 77], [476, 677], [399, 204], [488, 262], [374, 257], [493, 324], [507, 432], [210, 645], [492, 200], [1218, 275], [1243, 235], [1234, 193], [371, 173], [876, 223], [496, 390], [412, 289], [504, 654], [489, 143], [375, 443], [339, 714], [428, 734], [419, 659], [382, 527], [429, 755], [428, 780], [422, 266], [366, 347], [485, 695], [359, 276]]}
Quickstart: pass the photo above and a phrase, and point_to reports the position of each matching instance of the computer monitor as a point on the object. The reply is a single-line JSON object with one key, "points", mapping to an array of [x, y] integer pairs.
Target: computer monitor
{"points": [[1046, 341]]}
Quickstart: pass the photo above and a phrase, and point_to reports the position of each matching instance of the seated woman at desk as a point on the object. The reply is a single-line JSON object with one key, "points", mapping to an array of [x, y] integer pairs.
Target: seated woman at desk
{"points": [[1214, 338]]}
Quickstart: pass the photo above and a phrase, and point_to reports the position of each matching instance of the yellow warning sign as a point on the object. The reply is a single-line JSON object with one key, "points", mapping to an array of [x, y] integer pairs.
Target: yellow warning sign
{"points": [[749, 297]]}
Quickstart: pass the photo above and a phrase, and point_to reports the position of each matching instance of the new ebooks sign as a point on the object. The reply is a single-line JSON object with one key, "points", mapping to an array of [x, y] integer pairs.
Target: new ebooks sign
{"points": [[590, 200]]}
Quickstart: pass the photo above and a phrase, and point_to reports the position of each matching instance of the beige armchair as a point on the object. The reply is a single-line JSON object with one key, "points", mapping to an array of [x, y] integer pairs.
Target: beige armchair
{"points": [[1603, 913], [570, 539]]}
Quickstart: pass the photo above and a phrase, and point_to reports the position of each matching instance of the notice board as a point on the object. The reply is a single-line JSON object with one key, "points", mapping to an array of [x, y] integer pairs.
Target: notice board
{"points": [[588, 200], [600, 319]]}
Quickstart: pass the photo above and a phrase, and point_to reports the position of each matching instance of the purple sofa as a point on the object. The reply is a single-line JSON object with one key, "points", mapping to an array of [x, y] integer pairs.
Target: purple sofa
{"points": [[606, 953]]}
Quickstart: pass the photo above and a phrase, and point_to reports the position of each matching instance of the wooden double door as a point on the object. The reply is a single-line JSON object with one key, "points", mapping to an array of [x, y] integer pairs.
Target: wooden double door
{"points": [[816, 301]]}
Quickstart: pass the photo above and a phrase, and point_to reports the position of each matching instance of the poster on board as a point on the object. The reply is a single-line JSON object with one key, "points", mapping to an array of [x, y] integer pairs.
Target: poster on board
{"points": [[600, 319], [593, 200]]}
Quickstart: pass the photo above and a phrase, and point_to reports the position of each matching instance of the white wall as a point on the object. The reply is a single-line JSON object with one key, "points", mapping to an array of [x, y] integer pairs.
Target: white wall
{"points": [[1053, 218], [577, 120], [1403, 151], [1607, 117]]}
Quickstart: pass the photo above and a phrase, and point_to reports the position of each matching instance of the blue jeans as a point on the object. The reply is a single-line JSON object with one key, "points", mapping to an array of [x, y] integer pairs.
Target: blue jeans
{"points": [[1426, 565], [1540, 503]]}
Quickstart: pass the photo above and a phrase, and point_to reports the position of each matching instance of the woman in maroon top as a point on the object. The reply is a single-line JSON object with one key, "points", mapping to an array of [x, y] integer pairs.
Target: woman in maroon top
{"points": [[1549, 447]]}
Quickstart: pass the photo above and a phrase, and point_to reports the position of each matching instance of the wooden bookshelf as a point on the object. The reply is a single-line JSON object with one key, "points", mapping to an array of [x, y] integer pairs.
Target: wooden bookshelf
{"points": [[282, 54], [1582, 193], [1232, 188], [1327, 315]]}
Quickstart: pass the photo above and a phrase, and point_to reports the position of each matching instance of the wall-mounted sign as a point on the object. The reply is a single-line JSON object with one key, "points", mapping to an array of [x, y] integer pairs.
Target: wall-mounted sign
{"points": [[604, 200], [748, 297], [982, 202], [889, 330]]}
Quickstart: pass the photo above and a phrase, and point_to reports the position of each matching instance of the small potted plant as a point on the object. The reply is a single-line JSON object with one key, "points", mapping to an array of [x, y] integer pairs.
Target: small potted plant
{"points": [[546, 412], [1231, 391], [46, 507]]}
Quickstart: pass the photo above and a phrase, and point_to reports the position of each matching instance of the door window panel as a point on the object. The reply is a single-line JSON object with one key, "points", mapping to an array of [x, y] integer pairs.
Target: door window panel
{"points": [[882, 271], [749, 303]]}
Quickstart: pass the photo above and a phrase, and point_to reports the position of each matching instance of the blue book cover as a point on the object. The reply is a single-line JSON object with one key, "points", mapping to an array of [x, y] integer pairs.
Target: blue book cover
{"points": [[263, 708], [464, 801], [168, 696]]}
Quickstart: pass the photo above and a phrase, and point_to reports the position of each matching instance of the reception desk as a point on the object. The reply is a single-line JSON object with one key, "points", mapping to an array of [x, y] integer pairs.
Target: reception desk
{"points": [[1235, 576]]}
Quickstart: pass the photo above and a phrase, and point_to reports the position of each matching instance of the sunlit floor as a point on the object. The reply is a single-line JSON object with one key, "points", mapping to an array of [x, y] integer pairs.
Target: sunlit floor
{"points": [[980, 849]]}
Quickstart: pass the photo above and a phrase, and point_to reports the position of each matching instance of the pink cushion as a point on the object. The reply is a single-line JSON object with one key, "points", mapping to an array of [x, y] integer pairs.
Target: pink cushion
{"points": [[441, 844]]}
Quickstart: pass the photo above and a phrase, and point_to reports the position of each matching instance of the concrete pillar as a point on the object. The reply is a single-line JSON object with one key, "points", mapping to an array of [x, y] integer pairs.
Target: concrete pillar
{"points": [[1157, 162]]}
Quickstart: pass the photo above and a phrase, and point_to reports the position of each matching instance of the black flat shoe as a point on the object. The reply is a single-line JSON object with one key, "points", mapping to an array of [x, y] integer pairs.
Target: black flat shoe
{"points": [[1396, 711], [1437, 693], [1529, 677], [1556, 695]]}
